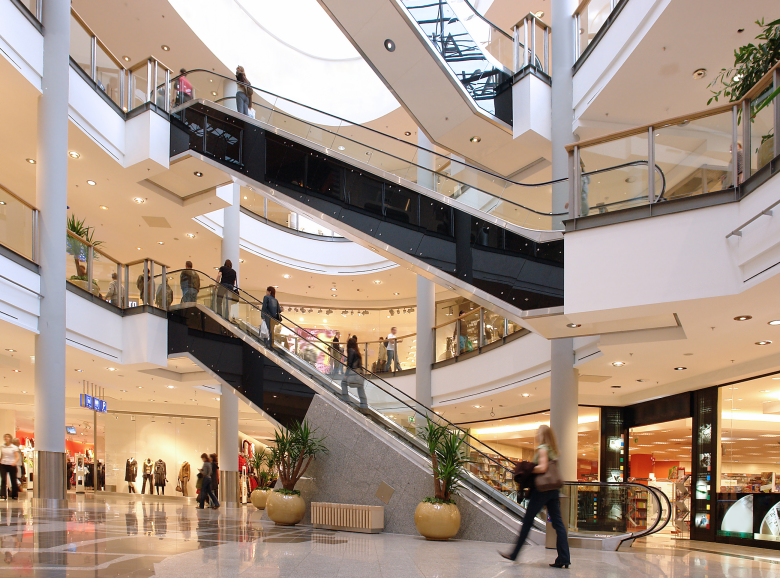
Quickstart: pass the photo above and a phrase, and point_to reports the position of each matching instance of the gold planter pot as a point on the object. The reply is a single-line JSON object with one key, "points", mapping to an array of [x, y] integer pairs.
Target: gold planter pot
{"points": [[259, 498], [285, 510], [437, 521]]}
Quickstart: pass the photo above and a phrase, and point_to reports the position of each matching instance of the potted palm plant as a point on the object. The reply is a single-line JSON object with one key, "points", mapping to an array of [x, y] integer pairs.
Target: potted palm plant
{"points": [[80, 252], [438, 517], [292, 454], [264, 469], [751, 63]]}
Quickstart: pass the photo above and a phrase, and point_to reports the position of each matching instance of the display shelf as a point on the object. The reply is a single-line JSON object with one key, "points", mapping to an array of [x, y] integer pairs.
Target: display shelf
{"points": [[494, 470], [637, 510]]}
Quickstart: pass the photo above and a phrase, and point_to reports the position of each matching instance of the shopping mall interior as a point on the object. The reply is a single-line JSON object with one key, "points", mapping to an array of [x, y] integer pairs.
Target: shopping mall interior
{"points": [[341, 270]]}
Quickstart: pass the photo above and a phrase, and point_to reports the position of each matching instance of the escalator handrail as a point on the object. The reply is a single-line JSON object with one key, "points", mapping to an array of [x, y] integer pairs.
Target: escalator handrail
{"points": [[380, 133], [414, 408]]}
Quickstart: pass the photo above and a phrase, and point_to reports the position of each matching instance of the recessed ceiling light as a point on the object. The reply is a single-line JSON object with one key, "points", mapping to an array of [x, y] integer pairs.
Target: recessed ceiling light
{"points": [[630, 180], [525, 394], [396, 293], [193, 399], [699, 73], [111, 368], [73, 154], [161, 242], [616, 386], [475, 139], [165, 47], [377, 282], [123, 390], [680, 368], [151, 400], [216, 398], [407, 133], [24, 391], [213, 93], [743, 317], [190, 235], [618, 363], [763, 342], [477, 406], [774, 322], [17, 371], [641, 380], [139, 248], [126, 58], [2, 202], [140, 387], [91, 183], [286, 275], [573, 325], [170, 386], [240, 260], [340, 147], [333, 289], [105, 208], [11, 350], [198, 174], [79, 370], [31, 161], [139, 201], [539, 14], [389, 45]]}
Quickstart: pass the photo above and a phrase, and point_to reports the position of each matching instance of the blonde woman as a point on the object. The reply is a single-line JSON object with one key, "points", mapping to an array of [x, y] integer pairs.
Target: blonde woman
{"points": [[546, 453]]}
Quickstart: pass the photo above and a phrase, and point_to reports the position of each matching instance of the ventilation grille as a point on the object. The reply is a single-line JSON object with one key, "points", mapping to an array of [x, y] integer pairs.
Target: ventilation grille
{"points": [[348, 517]]}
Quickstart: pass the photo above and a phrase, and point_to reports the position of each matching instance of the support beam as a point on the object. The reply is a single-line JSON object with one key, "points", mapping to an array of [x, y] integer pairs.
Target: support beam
{"points": [[228, 448], [426, 319], [563, 405]]}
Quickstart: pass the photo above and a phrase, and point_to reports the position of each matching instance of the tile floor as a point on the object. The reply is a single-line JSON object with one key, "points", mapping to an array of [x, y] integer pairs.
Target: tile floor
{"points": [[114, 537]]}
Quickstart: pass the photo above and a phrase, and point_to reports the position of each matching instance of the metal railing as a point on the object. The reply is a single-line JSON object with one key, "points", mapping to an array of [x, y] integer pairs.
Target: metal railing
{"points": [[589, 17], [711, 150], [535, 47]]}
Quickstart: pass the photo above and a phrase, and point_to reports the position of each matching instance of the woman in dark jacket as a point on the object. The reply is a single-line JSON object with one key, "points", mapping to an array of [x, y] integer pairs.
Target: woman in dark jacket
{"points": [[214, 479], [271, 314], [354, 376]]}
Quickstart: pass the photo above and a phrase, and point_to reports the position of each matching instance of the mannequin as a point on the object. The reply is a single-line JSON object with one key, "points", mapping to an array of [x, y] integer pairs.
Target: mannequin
{"points": [[147, 476], [160, 477], [131, 473], [184, 477]]}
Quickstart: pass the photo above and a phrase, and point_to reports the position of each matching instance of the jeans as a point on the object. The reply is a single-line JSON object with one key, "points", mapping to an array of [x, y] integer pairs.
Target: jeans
{"points": [[189, 296], [5, 471], [242, 103], [361, 389], [392, 359], [206, 492], [536, 502], [224, 299]]}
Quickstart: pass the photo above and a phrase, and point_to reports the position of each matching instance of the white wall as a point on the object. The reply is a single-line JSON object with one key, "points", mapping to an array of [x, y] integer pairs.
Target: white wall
{"points": [[17, 305], [171, 442], [21, 44]]}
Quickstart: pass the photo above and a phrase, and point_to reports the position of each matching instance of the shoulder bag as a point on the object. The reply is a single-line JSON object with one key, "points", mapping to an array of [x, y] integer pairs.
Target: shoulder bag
{"points": [[549, 480]]}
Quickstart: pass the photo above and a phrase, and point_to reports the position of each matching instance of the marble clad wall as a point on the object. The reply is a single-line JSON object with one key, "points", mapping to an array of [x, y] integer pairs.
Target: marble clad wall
{"points": [[360, 459]]}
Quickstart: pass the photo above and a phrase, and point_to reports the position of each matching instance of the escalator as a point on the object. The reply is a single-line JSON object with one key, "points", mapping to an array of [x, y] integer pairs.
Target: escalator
{"points": [[283, 378], [488, 238]]}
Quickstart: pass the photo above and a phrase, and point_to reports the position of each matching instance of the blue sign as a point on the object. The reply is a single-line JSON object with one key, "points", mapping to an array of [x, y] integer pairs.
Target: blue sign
{"points": [[89, 402]]}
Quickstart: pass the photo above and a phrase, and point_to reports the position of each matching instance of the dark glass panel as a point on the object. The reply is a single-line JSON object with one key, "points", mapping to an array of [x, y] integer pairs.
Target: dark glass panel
{"points": [[401, 204], [285, 163], [484, 234], [552, 251], [436, 217], [519, 244], [364, 192], [223, 141], [324, 176]]}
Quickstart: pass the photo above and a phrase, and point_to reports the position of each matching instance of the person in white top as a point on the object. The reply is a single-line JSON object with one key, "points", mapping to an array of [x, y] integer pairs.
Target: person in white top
{"points": [[392, 350], [9, 458]]}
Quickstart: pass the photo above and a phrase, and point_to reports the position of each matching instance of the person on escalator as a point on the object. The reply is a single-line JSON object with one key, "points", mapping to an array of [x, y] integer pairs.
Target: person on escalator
{"points": [[271, 316], [190, 284], [227, 289], [544, 493], [244, 92], [183, 88], [354, 376]]}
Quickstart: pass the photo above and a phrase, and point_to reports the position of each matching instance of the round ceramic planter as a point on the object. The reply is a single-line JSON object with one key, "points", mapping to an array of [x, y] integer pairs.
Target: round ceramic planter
{"points": [[437, 521], [259, 498], [285, 510]]}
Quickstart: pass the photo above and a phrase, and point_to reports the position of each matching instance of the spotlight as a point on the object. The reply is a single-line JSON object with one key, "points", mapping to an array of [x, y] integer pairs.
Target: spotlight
{"points": [[392, 312], [319, 311], [329, 311]]}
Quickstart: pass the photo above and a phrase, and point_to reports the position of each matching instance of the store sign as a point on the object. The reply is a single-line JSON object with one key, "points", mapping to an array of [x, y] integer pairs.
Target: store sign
{"points": [[94, 403]]}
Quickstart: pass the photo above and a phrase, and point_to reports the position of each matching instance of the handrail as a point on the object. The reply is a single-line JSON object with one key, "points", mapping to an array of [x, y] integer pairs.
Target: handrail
{"points": [[768, 212], [18, 198], [488, 22], [20, 285], [757, 90]]}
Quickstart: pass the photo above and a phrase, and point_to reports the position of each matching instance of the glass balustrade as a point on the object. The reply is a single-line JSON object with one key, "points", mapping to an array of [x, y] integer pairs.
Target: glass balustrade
{"points": [[589, 19], [18, 224]]}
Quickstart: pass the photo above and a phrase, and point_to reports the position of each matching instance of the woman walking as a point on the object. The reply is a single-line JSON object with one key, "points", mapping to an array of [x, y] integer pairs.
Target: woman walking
{"points": [[354, 376], [270, 315], [205, 488], [545, 459]]}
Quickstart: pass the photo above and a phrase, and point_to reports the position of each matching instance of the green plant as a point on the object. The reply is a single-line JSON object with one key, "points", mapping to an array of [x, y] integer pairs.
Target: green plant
{"points": [[751, 63], [293, 452], [78, 249], [448, 460], [264, 467]]}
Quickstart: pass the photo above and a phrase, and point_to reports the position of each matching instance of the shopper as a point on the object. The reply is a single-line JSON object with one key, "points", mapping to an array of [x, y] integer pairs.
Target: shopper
{"points": [[337, 356], [149, 286], [546, 471], [158, 298], [183, 88], [9, 458], [190, 284], [271, 315], [115, 291], [354, 376], [243, 92], [381, 362], [227, 288], [214, 479], [462, 332], [205, 489], [392, 350]]}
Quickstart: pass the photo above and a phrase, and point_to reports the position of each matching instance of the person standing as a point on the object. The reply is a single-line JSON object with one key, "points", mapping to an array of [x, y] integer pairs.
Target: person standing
{"points": [[381, 362], [243, 92], [271, 314], [9, 458], [392, 350], [337, 356], [190, 284], [462, 332], [546, 457], [115, 291], [183, 88], [205, 488], [227, 288], [354, 375], [214, 479]]}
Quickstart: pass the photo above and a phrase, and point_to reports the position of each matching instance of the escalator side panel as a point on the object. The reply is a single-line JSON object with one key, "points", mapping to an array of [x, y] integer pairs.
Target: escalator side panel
{"points": [[404, 238]]}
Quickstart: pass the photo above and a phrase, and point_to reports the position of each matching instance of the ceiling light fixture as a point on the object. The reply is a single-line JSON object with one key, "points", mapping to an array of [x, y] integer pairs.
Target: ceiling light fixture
{"points": [[111, 368], [407, 133], [389, 45], [525, 394], [79, 370], [11, 350], [161, 242], [31, 161], [190, 235], [475, 139], [286, 275], [170, 386], [573, 325], [198, 174], [340, 147], [765, 342], [139, 200], [699, 73], [618, 363], [105, 208], [680, 368], [17, 371], [213, 93], [743, 317], [641, 380], [91, 183], [477, 406], [377, 282], [774, 322], [165, 47], [73, 154], [539, 14], [126, 58]]}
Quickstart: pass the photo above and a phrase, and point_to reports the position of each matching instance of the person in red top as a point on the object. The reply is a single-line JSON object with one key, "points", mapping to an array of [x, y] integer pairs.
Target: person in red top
{"points": [[183, 88]]}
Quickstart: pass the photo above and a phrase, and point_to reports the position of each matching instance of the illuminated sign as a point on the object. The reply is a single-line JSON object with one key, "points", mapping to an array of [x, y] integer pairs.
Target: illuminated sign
{"points": [[93, 403]]}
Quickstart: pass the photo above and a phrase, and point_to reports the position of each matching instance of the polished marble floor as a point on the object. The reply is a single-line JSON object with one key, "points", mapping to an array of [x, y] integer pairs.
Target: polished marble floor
{"points": [[116, 536]]}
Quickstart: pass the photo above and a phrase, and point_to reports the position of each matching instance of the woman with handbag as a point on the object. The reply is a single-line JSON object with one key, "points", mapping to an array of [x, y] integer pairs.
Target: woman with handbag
{"points": [[545, 493], [354, 376]]}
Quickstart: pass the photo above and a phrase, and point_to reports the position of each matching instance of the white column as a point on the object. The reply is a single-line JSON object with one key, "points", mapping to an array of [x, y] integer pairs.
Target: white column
{"points": [[228, 447], [425, 159], [231, 234], [52, 199], [563, 404], [426, 319]]}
